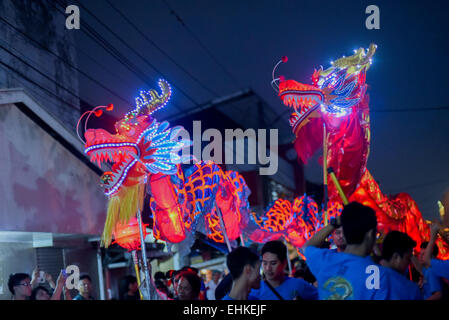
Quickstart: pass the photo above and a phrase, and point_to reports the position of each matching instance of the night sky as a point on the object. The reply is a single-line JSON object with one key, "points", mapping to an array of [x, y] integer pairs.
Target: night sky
{"points": [[244, 40]]}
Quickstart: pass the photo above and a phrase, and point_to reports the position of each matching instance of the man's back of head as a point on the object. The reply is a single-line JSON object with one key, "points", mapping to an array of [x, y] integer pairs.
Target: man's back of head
{"points": [[238, 259], [359, 225]]}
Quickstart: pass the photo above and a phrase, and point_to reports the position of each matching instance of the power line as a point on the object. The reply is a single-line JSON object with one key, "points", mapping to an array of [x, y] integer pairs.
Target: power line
{"points": [[97, 38], [30, 89], [136, 53], [62, 59], [37, 84], [39, 72], [209, 53], [162, 51], [422, 109]]}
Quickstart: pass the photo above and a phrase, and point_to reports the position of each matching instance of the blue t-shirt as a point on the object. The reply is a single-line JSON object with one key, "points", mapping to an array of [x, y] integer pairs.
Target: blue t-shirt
{"points": [[289, 289], [343, 276], [440, 268], [401, 287], [431, 283]]}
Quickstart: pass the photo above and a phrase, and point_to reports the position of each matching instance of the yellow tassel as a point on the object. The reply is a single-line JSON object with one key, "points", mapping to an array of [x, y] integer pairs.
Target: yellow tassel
{"points": [[111, 220], [121, 208]]}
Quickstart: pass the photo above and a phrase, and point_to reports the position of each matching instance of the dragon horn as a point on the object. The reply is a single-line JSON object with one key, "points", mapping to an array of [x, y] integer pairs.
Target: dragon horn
{"points": [[150, 101], [359, 58]]}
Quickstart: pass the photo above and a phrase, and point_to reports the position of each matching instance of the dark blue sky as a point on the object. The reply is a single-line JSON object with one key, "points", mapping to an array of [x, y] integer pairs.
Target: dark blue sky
{"points": [[409, 150]]}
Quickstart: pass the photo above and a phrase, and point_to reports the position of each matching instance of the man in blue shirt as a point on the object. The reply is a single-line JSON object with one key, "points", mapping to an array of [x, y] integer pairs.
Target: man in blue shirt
{"points": [[432, 286], [348, 275], [244, 266], [397, 250], [438, 267], [276, 285]]}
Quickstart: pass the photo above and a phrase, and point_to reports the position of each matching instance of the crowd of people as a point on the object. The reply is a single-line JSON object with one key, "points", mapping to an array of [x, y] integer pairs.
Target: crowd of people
{"points": [[359, 266]]}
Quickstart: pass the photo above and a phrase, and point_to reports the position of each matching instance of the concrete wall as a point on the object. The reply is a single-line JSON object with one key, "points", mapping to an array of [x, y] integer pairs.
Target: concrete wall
{"points": [[43, 186], [39, 20]]}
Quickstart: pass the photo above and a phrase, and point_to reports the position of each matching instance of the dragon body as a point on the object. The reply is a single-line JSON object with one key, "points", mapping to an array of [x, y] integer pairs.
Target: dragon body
{"points": [[143, 154]]}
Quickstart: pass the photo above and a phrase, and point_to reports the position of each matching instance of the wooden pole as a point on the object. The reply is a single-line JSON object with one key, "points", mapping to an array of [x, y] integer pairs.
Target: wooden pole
{"points": [[144, 254], [325, 174], [136, 268], [225, 234], [338, 186]]}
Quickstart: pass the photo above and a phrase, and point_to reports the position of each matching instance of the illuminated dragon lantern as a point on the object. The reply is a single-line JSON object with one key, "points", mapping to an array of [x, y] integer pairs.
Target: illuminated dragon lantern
{"points": [[293, 221], [142, 155], [337, 99]]}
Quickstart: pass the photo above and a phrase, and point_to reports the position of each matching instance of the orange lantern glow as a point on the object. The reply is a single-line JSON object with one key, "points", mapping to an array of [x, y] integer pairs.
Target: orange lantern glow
{"points": [[128, 236]]}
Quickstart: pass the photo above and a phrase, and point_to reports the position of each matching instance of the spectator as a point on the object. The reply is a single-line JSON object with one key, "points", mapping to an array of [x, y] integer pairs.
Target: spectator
{"points": [[211, 286], [431, 285], [170, 276], [84, 288], [343, 275], [160, 276], [397, 250], [42, 293], [277, 285], [188, 285], [129, 290], [244, 267], [438, 267], [339, 239], [19, 284]]}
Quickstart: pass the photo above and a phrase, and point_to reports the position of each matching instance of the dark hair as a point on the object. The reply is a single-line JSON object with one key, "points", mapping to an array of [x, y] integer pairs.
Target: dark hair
{"points": [[15, 279], [85, 276], [190, 269], [124, 285], [396, 242], [193, 279], [159, 276], [275, 247], [435, 250], [357, 220], [238, 259], [305, 274], [35, 291]]}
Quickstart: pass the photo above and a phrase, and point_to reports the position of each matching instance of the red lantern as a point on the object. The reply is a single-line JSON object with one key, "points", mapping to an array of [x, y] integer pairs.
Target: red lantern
{"points": [[128, 235]]}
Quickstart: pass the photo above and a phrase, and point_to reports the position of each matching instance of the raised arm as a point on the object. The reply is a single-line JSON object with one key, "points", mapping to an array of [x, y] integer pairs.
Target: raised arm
{"points": [[59, 287], [320, 236], [34, 277], [416, 264], [429, 249]]}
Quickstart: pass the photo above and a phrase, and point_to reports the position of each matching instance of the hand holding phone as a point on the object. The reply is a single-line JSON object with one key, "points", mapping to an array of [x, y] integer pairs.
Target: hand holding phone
{"points": [[41, 278]]}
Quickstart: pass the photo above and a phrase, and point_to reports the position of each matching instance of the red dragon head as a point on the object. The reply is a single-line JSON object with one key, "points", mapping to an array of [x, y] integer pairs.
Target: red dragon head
{"points": [[141, 145], [333, 94]]}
